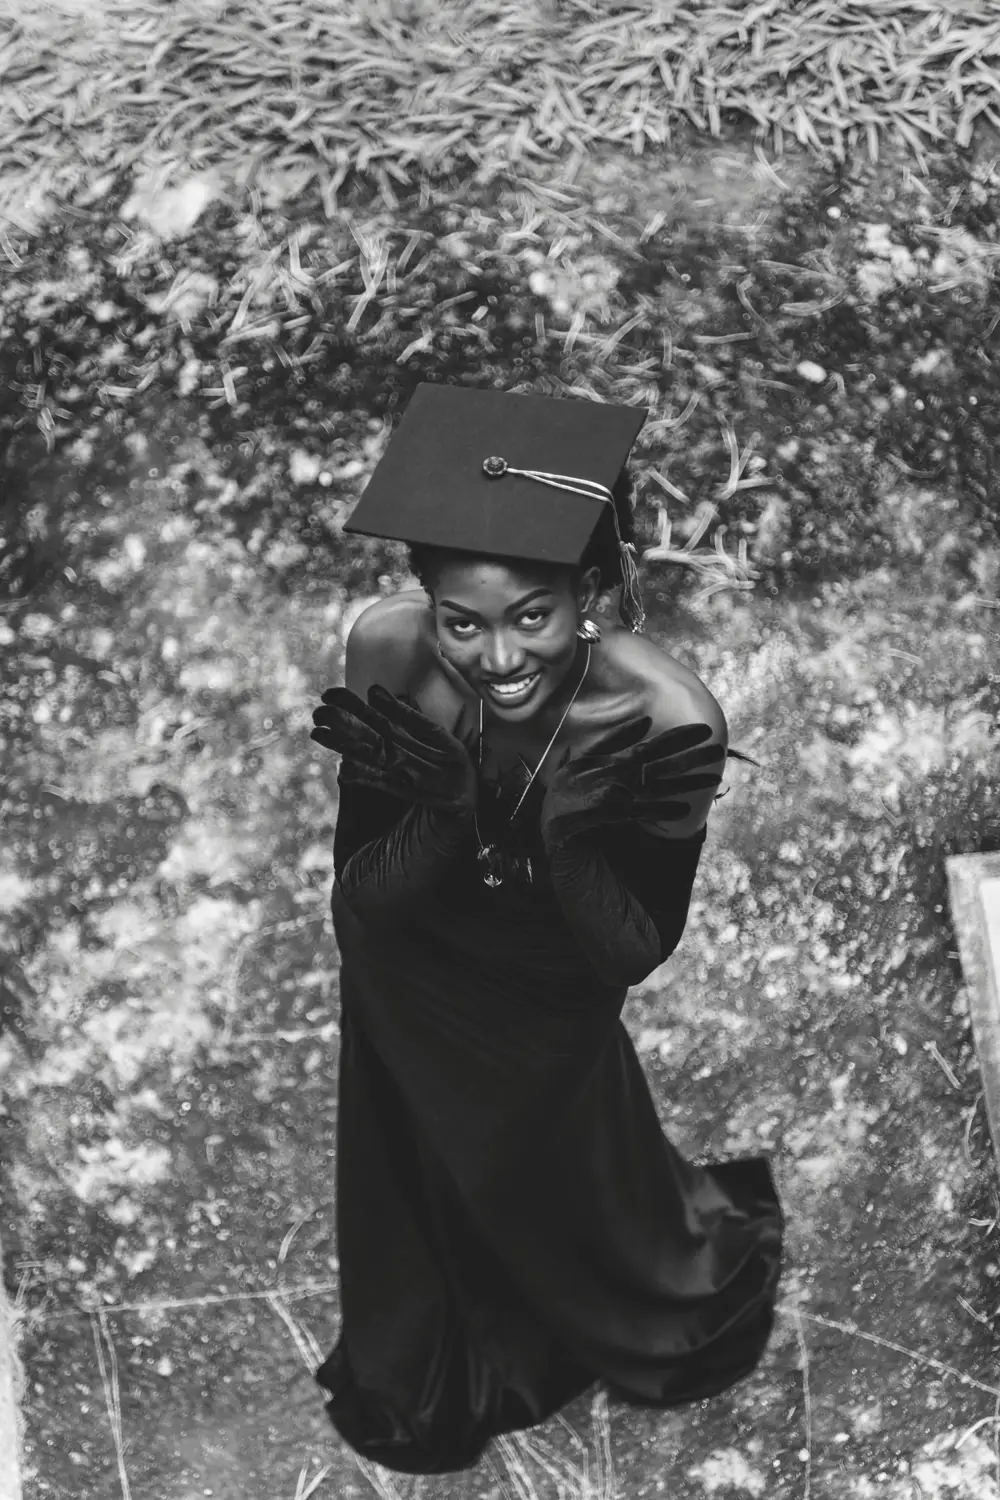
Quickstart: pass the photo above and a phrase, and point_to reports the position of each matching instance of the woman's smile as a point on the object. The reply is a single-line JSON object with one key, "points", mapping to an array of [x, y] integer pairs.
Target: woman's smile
{"points": [[515, 691]]}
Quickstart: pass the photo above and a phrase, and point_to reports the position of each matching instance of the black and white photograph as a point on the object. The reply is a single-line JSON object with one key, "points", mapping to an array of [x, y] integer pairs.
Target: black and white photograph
{"points": [[499, 775]]}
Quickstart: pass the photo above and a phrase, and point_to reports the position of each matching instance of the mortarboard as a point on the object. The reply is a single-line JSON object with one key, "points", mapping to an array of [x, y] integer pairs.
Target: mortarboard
{"points": [[502, 475]]}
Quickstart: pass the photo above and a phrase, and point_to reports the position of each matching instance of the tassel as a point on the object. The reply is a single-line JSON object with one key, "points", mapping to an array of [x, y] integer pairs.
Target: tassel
{"points": [[630, 609]]}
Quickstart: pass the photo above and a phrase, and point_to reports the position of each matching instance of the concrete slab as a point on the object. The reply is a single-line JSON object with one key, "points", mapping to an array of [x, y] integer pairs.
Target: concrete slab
{"points": [[217, 1400], [11, 1379], [974, 886]]}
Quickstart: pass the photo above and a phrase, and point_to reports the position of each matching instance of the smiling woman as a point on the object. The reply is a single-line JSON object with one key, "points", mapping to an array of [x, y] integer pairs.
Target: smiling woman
{"points": [[528, 645], [524, 799]]}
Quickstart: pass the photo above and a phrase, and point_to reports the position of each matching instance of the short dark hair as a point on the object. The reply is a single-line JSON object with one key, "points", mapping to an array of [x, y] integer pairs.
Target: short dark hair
{"points": [[600, 552]]}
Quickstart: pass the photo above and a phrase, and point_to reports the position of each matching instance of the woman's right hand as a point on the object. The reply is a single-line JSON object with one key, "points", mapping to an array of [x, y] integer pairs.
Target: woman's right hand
{"points": [[388, 744]]}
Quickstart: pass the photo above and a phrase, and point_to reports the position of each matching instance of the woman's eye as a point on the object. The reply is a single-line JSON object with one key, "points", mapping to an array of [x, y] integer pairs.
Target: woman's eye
{"points": [[462, 629]]}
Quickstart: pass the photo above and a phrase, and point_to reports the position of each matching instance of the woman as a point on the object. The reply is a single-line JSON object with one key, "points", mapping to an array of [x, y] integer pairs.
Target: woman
{"points": [[523, 805]]}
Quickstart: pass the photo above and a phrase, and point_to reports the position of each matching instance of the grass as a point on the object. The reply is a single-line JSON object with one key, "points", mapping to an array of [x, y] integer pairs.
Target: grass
{"points": [[777, 422], [315, 266], [371, 270], [392, 89]]}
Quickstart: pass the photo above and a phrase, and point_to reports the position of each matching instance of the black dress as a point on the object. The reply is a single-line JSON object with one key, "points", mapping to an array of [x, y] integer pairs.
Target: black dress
{"points": [[512, 1223]]}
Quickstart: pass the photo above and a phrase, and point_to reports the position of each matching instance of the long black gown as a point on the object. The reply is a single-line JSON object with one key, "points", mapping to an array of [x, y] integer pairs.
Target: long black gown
{"points": [[512, 1223]]}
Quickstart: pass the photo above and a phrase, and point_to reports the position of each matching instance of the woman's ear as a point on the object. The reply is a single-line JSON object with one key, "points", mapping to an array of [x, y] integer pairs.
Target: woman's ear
{"points": [[589, 589]]}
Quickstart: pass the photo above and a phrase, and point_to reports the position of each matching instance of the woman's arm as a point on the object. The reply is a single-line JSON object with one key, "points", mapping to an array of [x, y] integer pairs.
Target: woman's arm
{"points": [[388, 855], [402, 866], [626, 898], [625, 891]]}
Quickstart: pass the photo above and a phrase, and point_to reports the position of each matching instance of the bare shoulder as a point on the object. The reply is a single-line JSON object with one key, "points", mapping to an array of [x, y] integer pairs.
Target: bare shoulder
{"points": [[387, 644], [673, 693]]}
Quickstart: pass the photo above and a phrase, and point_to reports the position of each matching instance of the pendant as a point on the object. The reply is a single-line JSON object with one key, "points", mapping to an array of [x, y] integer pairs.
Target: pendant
{"points": [[489, 856]]}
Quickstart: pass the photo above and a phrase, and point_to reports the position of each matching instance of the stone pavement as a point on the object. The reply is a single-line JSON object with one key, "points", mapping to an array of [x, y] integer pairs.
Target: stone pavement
{"points": [[974, 885]]}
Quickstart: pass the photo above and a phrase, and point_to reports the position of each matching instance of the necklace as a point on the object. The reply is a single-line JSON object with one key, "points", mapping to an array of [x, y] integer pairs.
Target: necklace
{"points": [[489, 854]]}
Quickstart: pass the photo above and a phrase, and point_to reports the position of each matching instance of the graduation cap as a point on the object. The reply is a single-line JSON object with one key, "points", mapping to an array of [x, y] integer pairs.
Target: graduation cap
{"points": [[503, 475]]}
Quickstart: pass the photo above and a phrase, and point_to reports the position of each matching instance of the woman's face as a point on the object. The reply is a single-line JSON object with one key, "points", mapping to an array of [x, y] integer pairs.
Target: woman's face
{"points": [[511, 627]]}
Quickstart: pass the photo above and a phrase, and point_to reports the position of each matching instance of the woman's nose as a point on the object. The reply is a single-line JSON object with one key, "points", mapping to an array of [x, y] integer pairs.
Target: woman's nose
{"points": [[502, 657]]}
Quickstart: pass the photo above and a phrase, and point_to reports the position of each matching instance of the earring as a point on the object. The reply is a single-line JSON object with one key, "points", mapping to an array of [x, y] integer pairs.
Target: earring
{"points": [[589, 630]]}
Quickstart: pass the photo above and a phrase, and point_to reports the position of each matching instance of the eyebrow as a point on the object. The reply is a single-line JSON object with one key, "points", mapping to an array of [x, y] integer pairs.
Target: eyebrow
{"points": [[463, 610]]}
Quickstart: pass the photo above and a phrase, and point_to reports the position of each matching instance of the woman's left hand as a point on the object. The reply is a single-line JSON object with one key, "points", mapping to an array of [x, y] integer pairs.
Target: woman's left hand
{"points": [[625, 778]]}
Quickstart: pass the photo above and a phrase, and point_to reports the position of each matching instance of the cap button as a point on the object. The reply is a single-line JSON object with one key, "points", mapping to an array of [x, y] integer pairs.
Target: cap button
{"points": [[494, 467]]}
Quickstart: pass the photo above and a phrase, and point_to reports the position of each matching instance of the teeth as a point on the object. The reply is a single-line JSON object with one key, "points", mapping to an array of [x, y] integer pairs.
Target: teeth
{"points": [[514, 688]]}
